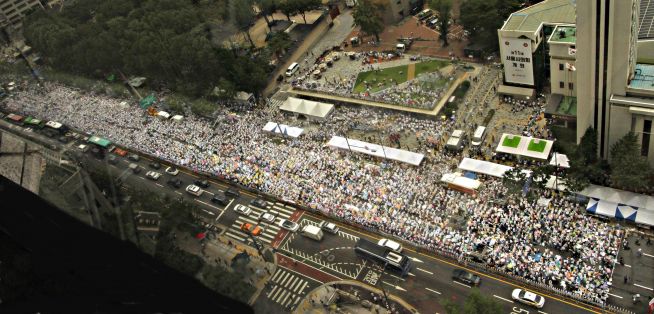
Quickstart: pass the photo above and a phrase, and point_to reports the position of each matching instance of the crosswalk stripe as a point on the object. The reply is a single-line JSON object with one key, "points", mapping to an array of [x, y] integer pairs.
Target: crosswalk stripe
{"points": [[265, 240], [279, 271], [297, 299], [293, 282], [229, 234], [276, 293], [289, 279], [281, 279], [301, 289], [252, 221], [281, 296], [272, 291], [289, 300], [269, 236], [289, 212]]}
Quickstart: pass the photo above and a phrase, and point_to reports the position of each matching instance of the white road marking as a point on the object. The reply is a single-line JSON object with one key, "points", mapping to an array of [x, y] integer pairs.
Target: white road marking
{"points": [[205, 191], [415, 259], [461, 284], [426, 271], [142, 178], [178, 192], [650, 255], [614, 295], [218, 208], [434, 291], [501, 298], [648, 288], [541, 312], [412, 275], [159, 185], [625, 265]]}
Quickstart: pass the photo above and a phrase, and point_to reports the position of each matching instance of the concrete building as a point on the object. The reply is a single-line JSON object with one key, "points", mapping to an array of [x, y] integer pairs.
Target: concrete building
{"points": [[13, 11]]}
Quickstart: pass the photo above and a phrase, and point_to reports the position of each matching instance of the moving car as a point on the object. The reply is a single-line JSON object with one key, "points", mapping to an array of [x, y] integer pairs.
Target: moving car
{"points": [[135, 168], [194, 189], [172, 171], [251, 229], [83, 147], [466, 277], [233, 192], [259, 203], [243, 209], [153, 175], [155, 165], [267, 217], [528, 298], [220, 198], [120, 152], [176, 183], [329, 227], [396, 247], [134, 157], [201, 183], [288, 225], [292, 69]]}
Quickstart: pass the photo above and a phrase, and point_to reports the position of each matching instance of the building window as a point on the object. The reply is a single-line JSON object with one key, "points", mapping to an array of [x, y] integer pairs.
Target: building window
{"points": [[570, 86], [561, 85], [560, 66], [647, 129]]}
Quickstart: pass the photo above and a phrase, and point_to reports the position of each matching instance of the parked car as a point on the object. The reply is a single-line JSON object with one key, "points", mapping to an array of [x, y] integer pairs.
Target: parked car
{"points": [[329, 227], [288, 225], [83, 147], [259, 203], [134, 157], [155, 165], [63, 139], [172, 171], [220, 198], [267, 217], [242, 209], [201, 183], [396, 247], [120, 152], [466, 277], [153, 175], [233, 192], [175, 183], [251, 229], [194, 190], [528, 298], [135, 168]]}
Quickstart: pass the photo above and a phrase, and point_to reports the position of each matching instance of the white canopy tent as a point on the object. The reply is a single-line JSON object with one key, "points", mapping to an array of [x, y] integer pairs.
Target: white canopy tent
{"points": [[484, 167], [560, 160], [376, 150], [527, 146], [283, 129], [459, 180], [311, 109], [626, 205]]}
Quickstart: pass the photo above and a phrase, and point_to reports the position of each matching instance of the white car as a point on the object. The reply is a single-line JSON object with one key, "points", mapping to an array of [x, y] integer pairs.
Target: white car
{"points": [[153, 175], [329, 227], [288, 225], [172, 171], [268, 217], [194, 189], [528, 298], [396, 247], [243, 209]]}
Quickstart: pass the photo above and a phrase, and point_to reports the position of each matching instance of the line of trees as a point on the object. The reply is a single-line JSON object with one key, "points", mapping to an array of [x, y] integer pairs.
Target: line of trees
{"points": [[482, 19]]}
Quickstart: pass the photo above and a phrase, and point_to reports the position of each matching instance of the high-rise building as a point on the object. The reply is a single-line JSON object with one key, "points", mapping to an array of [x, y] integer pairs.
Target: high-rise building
{"points": [[13, 11]]}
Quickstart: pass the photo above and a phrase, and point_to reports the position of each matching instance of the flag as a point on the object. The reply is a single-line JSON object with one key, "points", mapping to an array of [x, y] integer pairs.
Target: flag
{"points": [[572, 51], [570, 67]]}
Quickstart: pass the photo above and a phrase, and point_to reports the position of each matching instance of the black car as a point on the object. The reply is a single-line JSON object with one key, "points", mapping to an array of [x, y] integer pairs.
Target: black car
{"points": [[220, 198], [201, 183], [466, 277], [174, 182], [259, 203], [63, 139], [233, 192], [155, 165]]}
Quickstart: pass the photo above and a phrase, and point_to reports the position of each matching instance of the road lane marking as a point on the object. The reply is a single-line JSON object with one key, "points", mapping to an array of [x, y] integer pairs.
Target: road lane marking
{"points": [[625, 265], [207, 204], [614, 295], [648, 255], [501, 298], [178, 192], [434, 291], [159, 185], [541, 312], [426, 271], [205, 191], [412, 275], [648, 288], [142, 178], [461, 284]]}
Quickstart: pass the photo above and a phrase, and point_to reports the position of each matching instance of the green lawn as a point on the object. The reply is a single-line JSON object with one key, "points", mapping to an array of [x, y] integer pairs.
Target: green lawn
{"points": [[429, 66], [536, 147], [398, 74], [511, 142]]}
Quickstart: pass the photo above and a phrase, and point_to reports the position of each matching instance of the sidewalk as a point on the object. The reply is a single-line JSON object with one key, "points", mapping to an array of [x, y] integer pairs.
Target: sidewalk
{"points": [[639, 270]]}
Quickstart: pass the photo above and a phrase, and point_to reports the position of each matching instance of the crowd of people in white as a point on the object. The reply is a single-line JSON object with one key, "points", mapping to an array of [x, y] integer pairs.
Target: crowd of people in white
{"points": [[553, 244]]}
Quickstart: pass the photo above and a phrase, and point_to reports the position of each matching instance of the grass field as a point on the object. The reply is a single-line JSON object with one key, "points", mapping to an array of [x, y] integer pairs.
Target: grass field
{"points": [[536, 147], [398, 74], [512, 142], [429, 66]]}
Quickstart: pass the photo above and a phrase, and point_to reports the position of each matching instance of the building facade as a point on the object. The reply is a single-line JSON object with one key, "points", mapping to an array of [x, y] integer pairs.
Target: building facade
{"points": [[13, 11]]}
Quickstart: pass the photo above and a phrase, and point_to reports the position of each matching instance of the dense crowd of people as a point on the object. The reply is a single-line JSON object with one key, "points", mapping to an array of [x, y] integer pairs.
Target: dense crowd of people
{"points": [[555, 244]]}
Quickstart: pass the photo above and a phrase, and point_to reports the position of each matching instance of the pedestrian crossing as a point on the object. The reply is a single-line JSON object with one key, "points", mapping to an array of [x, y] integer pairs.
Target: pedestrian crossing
{"points": [[287, 288], [346, 235], [270, 230]]}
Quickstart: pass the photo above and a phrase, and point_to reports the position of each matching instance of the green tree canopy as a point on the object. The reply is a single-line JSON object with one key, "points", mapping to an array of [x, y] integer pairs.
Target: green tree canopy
{"points": [[475, 303], [444, 9], [368, 15], [630, 170], [482, 19]]}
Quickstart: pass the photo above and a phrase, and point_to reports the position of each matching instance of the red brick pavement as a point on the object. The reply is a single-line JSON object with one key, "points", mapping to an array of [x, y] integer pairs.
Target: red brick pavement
{"points": [[302, 268]]}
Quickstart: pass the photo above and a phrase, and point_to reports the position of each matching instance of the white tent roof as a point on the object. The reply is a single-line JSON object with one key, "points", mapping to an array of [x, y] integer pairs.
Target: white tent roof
{"points": [[618, 196], [523, 147], [626, 205], [458, 179], [178, 117], [485, 167], [559, 182], [283, 129], [560, 160], [376, 150], [307, 107]]}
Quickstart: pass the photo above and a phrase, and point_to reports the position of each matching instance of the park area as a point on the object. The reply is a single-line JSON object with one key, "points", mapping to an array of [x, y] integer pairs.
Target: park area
{"points": [[376, 80]]}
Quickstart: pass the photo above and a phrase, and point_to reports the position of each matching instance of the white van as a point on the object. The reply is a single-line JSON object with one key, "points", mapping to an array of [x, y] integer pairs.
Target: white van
{"points": [[292, 69], [313, 232], [400, 47], [478, 137]]}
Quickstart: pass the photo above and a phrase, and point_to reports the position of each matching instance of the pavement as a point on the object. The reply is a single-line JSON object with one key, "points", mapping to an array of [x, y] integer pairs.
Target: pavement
{"points": [[637, 268]]}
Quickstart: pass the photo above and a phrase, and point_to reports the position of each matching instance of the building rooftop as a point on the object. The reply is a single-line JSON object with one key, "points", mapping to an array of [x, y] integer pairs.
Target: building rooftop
{"points": [[643, 77], [646, 20], [549, 11], [564, 34]]}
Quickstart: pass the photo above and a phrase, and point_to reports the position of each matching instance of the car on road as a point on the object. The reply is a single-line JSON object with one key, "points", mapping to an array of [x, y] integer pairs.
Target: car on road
{"points": [[63, 139], [201, 183], [134, 157], [396, 247], [267, 217], [153, 175], [135, 168], [243, 209], [194, 189], [466, 277], [172, 171], [251, 229], [288, 225], [220, 198], [120, 152], [528, 298], [233, 192], [175, 183], [329, 227], [112, 159], [155, 165], [259, 203], [83, 147]]}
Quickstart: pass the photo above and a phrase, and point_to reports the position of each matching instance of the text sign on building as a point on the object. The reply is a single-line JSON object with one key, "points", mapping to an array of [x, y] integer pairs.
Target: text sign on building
{"points": [[518, 65]]}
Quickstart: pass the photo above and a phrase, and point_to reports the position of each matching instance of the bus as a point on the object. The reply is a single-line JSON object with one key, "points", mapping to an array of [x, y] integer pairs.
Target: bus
{"points": [[396, 262], [101, 142], [34, 122]]}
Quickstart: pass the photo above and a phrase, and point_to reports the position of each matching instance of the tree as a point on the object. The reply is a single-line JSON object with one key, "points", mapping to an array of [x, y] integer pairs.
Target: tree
{"points": [[267, 7], [243, 16], [482, 19], [514, 180], [540, 175], [587, 149], [288, 7], [279, 42], [368, 15], [303, 6], [444, 9], [630, 170], [475, 303]]}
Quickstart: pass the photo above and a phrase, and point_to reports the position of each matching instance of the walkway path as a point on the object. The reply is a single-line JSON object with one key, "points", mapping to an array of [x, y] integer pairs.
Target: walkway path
{"points": [[411, 72]]}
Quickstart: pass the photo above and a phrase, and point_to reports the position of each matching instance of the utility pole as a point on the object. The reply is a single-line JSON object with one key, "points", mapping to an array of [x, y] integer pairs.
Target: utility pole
{"points": [[258, 246]]}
